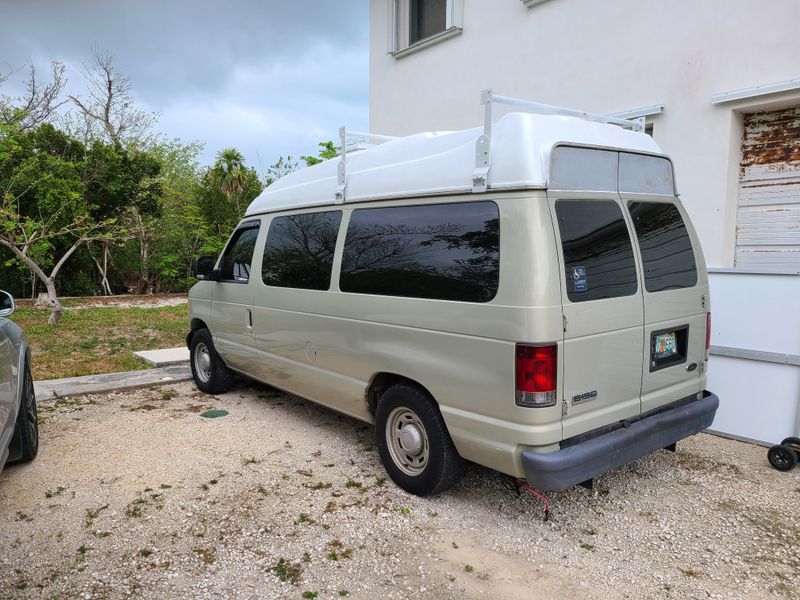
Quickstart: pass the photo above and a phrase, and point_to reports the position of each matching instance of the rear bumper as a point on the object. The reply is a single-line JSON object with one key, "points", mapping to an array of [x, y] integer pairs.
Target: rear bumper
{"points": [[554, 471]]}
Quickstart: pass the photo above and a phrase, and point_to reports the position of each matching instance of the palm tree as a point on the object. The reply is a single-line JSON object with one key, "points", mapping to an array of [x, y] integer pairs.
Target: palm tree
{"points": [[229, 174]]}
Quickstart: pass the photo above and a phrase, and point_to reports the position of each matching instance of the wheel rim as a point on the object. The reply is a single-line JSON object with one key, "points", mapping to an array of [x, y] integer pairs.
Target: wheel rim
{"points": [[781, 458], [407, 441], [202, 362], [31, 417]]}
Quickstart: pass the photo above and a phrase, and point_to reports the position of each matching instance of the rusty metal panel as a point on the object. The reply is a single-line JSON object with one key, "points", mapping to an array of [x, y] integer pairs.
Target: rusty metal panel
{"points": [[768, 211]]}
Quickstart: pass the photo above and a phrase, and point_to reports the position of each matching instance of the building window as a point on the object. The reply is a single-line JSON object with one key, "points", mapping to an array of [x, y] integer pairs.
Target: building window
{"points": [[427, 18], [417, 24]]}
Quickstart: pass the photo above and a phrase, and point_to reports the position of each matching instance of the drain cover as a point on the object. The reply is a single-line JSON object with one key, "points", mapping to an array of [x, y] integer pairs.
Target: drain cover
{"points": [[213, 414]]}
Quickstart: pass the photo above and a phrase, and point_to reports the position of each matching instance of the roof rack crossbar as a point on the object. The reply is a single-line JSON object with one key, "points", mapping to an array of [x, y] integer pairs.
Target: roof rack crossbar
{"points": [[483, 145], [341, 169]]}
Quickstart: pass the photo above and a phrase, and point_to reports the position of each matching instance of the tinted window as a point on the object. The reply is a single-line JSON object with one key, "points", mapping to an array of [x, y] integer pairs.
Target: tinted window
{"points": [[427, 18], [598, 254], [667, 252], [239, 253], [299, 250], [444, 251]]}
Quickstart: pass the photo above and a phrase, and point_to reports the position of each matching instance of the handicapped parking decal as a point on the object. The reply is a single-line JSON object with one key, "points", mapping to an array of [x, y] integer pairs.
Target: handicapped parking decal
{"points": [[579, 279]]}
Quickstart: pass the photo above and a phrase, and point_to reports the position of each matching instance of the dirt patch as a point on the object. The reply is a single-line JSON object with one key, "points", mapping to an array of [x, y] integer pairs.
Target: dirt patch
{"points": [[137, 494]]}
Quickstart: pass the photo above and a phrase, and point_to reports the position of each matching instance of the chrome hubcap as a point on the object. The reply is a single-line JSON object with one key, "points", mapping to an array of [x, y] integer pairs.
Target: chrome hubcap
{"points": [[407, 441], [202, 362]]}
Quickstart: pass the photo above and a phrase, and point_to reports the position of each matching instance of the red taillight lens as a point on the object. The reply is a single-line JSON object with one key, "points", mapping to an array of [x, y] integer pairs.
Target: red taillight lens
{"points": [[708, 333], [536, 372]]}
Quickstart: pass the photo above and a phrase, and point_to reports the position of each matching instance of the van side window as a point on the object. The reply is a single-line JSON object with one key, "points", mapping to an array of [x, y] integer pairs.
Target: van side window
{"points": [[441, 251], [666, 248], [239, 254], [299, 250], [598, 254]]}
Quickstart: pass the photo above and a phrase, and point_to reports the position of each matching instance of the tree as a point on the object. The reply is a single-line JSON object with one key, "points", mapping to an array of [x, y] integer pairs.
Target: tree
{"points": [[223, 192], [280, 168], [327, 151], [284, 166], [38, 103], [228, 174], [42, 202], [110, 106]]}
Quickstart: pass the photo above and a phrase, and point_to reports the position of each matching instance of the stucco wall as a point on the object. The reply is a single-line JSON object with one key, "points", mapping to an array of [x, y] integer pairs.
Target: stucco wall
{"points": [[604, 57], [615, 56]]}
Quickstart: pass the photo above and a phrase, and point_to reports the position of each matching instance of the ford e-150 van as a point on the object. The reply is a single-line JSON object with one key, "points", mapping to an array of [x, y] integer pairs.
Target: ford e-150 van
{"points": [[529, 295]]}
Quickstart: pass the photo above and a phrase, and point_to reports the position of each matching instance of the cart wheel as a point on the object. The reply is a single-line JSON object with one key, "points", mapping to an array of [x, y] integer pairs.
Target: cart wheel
{"points": [[782, 458], [794, 444]]}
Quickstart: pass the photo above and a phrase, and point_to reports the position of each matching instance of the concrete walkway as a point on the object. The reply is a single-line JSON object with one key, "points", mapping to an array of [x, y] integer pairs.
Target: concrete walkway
{"points": [[165, 357], [94, 384]]}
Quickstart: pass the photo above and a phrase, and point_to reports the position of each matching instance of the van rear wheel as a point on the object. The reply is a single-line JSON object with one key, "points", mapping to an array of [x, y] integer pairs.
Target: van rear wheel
{"points": [[413, 442], [210, 372]]}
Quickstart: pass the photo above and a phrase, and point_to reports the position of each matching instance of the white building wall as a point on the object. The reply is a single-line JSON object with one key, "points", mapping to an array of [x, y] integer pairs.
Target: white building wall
{"points": [[611, 57]]}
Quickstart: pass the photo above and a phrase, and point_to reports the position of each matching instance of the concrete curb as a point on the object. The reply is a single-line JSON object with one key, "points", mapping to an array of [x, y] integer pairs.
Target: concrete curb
{"points": [[48, 390]]}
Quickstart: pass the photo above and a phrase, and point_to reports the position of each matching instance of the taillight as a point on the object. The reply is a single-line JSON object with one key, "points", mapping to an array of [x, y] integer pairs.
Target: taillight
{"points": [[708, 333], [536, 369]]}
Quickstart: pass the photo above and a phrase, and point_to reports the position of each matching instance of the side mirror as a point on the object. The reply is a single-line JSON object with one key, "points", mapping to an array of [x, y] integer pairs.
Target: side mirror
{"points": [[6, 304], [203, 268]]}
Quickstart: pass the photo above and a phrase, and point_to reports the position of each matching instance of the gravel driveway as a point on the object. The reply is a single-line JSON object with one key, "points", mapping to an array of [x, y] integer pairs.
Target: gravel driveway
{"points": [[135, 494]]}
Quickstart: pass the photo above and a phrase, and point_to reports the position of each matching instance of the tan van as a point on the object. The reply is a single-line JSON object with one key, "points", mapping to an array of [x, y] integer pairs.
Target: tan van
{"points": [[529, 295]]}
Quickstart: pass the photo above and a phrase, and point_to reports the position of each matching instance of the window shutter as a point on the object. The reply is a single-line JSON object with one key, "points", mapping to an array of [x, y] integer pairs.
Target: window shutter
{"points": [[768, 212]]}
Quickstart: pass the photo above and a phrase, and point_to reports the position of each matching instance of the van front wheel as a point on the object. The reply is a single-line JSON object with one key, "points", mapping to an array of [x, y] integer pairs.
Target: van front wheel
{"points": [[210, 373], [413, 442]]}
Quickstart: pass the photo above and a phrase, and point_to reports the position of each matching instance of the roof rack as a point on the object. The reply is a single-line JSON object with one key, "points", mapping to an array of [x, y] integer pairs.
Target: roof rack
{"points": [[341, 171], [484, 144]]}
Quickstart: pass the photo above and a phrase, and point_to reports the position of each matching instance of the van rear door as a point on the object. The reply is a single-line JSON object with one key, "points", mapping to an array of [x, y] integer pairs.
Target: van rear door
{"points": [[675, 300], [603, 311]]}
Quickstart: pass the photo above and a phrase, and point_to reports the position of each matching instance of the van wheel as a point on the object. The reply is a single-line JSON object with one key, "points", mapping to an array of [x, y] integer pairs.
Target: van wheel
{"points": [[26, 432], [210, 372], [413, 442]]}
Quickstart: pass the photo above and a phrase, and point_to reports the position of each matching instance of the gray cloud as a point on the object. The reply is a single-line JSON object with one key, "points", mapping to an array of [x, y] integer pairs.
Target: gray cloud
{"points": [[271, 77]]}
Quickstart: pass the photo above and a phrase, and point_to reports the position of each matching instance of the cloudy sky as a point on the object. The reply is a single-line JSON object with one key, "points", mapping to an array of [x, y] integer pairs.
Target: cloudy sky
{"points": [[270, 77]]}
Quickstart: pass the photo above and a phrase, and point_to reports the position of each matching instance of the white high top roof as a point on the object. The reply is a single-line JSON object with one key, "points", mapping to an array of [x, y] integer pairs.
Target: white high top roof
{"points": [[443, 162]]}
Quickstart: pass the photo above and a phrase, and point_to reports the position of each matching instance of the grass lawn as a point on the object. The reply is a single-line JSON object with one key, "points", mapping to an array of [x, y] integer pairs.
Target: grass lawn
{"points": [[93, 340]]}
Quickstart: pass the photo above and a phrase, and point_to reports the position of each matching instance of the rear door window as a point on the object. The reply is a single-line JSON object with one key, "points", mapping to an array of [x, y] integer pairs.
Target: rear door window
{"points": [[441, 251], [299, 250], [667, 253], [598, 254]]}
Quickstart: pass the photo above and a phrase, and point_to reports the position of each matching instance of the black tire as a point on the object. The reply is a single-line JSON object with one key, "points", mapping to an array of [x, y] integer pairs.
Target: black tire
{"points": [[428, 463], [211, 374], [782, 458], [793, 442], [26, 431]]}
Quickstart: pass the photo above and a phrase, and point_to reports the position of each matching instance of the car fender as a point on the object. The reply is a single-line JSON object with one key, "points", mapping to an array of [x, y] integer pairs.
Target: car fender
{"points": [[24, 355]]}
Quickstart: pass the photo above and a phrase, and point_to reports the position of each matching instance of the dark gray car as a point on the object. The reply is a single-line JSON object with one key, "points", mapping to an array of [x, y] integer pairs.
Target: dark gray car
{"points": [[19, 429]]}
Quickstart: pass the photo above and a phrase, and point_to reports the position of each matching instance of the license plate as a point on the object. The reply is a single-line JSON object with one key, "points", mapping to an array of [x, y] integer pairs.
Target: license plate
{"points": [[666, 345]]}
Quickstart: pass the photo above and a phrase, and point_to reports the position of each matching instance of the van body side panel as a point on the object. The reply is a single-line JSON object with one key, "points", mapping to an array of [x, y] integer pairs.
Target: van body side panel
{"points": [[328, 346]]}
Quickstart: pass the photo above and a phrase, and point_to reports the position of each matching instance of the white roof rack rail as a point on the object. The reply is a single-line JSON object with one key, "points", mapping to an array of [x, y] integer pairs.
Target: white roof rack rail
{"points": [[341, 183], [483, 145]]}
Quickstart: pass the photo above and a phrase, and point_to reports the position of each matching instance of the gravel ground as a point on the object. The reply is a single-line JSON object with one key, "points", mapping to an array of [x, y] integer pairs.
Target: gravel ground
{"points": [[134, 494]]}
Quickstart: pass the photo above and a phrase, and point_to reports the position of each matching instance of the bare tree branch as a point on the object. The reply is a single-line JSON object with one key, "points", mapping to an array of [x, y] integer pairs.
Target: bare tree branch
{"points": [[40, 102], [110, 102]]}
